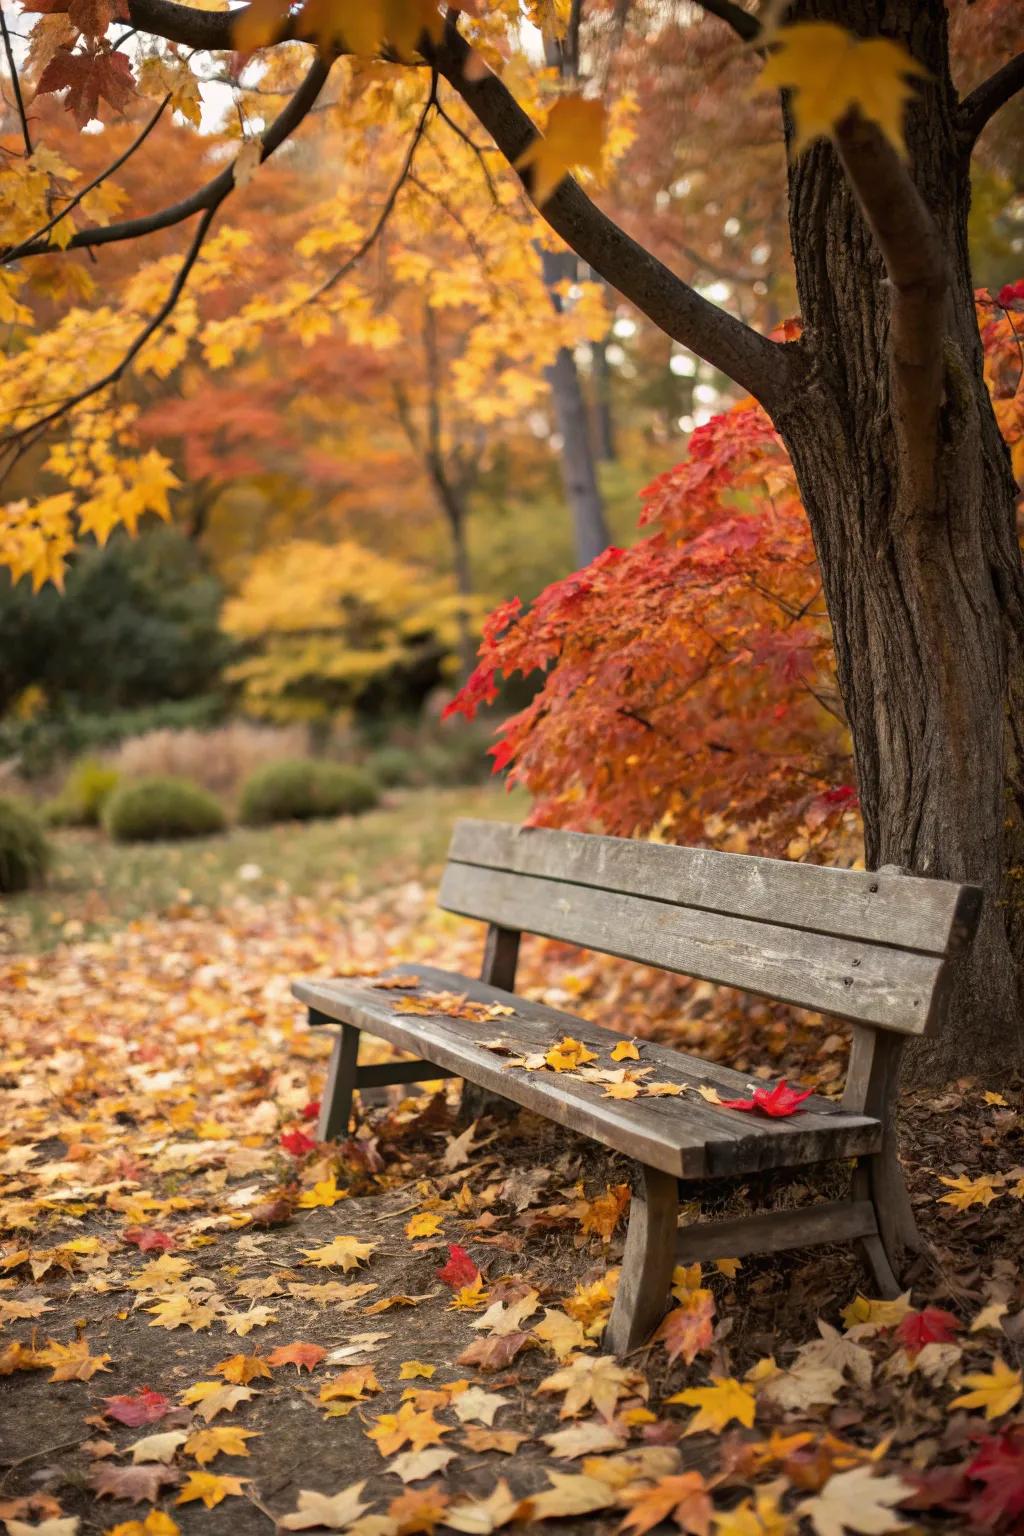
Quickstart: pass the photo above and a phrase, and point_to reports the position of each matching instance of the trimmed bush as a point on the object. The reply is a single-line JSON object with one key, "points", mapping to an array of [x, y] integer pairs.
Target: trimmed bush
{"points": [[394, 767], [150, 810], [24, 851], [303, 790], [86, 791]]}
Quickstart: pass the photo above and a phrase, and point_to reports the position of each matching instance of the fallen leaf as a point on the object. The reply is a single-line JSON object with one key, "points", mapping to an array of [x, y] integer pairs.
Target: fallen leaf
{"points": [[587, 1439], [214, 1397], [778, 1102], [144, 1408], [392, 1430], [134, 1484], [334, 1511], [479, 1517], [599, 1379], [687, 1329], [241, 1369], [414, 1466], [857, 1501], [717, 1405], [567, 1054], [210, 1487], [478, 1404], [159, 1447], [203, 1445], [997, 1391], [343, 1252], [302, 1356], [626, 1050], [684, 1498], [570, 1493], [410, 1369]]}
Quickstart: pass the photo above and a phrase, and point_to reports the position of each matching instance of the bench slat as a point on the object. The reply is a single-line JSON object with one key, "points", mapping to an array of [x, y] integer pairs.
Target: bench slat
{"points": [[934, 916], [681, 1135], [775, 1231], [893, 988]]}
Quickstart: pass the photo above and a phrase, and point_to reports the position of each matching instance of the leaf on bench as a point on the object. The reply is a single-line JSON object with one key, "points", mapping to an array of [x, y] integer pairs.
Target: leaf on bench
{"points": [[403, 983], [778, 1102], [453, 1005], [567, 1054]]}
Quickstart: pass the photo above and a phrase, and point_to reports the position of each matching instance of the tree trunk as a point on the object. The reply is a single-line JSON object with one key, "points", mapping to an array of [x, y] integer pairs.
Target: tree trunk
{"points": [[604, 426], [452, 504], [579, 472], [926, 599]]}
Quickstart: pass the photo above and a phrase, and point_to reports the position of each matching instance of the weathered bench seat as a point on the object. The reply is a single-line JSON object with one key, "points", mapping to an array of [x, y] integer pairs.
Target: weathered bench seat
{"points": [[683, 1136], [875, 949]]}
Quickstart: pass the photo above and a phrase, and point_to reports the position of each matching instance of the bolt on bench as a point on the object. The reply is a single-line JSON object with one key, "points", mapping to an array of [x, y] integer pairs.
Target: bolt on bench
{"points": [[873, 948]]}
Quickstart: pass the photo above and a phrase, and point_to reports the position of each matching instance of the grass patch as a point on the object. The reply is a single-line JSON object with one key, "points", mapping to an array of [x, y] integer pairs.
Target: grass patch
{"points": [[95, 886]]}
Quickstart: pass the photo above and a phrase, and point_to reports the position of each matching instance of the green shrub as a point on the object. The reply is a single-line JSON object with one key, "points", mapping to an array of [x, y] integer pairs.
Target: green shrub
{"points": [[395, 766], [38, 744], [304, 789], [86, 791], [24, 851], [152, 809]]}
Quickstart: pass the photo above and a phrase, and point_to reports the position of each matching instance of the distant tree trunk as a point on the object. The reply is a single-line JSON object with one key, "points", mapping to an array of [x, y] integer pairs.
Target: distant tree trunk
{"points": [[452, 501], [604, 426], [579, 471], [922, 568]]}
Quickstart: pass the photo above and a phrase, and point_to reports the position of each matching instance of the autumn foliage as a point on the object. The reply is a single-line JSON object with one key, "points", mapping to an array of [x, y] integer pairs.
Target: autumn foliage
{"points": [[689, 686]]}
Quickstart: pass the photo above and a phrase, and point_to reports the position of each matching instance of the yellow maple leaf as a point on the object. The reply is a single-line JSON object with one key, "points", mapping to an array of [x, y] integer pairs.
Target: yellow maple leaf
{"points": [[830, 72], [412, 1368], [625, 1051], [241, 1369], [423, 1224], [967, 1192], [345, 1252], [573, 135], [392, 1430], [71, 1362], [717, 1405], [880, 1314], [326, 1192], [211, 1487], [567, 1054], [760, 1516], [997, 1391], [156, 1523], [222, 1440]]}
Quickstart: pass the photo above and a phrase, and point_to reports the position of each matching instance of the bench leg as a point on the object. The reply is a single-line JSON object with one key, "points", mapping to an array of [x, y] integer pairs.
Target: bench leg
{"points": [[880, 1180], [647, 1264], [336, 1102]]}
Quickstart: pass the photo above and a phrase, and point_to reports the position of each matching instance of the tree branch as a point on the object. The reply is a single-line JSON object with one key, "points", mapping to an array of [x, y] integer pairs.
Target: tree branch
{"points": [[214, 192], [915, 263], [28, 245], [16, 85], [983, 103], [764, 368], [742, 23]]}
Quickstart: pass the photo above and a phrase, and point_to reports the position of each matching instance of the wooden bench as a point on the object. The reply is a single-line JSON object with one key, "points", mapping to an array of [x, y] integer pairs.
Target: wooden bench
{"points": [[872, 948]]}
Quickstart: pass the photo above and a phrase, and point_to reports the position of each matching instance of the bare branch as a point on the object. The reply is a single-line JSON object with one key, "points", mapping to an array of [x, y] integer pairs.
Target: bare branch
{"points": [[915, 263], [214, 191], [16, 84], [977, 109], [743, 24], [32, 240], [764, 368], [32, 432]]}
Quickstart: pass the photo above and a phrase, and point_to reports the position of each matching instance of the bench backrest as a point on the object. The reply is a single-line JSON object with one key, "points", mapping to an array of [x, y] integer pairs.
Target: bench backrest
{"points": [[870, 947]]}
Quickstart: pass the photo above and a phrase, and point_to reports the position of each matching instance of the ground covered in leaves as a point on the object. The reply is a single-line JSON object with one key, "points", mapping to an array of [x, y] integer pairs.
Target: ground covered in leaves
{"points": [[211, 1324]]}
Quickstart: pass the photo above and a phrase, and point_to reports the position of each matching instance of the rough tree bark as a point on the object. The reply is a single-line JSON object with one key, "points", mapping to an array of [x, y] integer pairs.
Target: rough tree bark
{"points": [[916, 536]]}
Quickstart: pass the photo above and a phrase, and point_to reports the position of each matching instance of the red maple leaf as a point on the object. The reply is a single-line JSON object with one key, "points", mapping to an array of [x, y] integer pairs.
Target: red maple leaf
{"points": [[146, 1239], [778, 1102], [999, 1465], [92, 17], [459, 1270], [144, 1408], [297, 1143], [87, 77], [930, 1326]]}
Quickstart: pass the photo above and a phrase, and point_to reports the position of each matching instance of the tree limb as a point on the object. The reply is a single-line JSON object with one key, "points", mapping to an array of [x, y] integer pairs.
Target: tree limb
{"points": [[214, 192], [915, 263], [16, 84], [983, 103], [764, 368], [29, 244], [742, 23]]}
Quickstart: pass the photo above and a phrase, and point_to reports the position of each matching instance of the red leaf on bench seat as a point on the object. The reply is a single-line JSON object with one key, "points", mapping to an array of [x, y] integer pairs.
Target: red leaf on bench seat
{"points": [[780, 1101]]}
